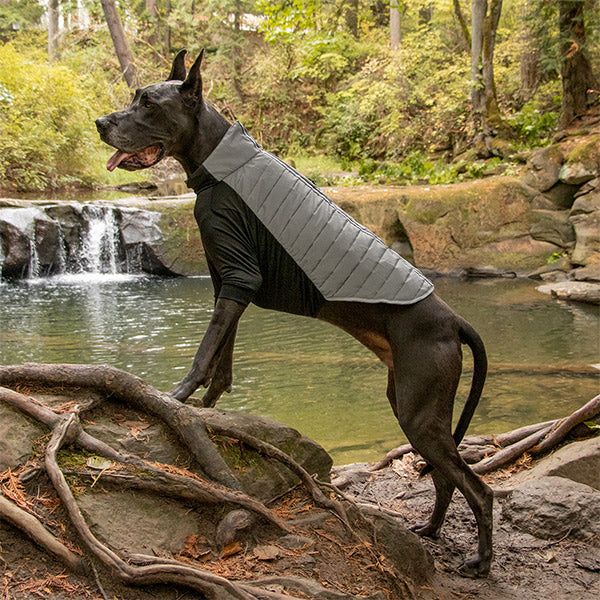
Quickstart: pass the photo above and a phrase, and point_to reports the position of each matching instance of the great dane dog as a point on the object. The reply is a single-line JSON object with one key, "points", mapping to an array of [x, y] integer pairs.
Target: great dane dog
{"points": [[273, 239]]}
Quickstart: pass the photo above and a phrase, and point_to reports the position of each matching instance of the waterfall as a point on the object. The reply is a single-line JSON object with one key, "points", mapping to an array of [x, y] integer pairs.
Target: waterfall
{"points": [[101, 242], [78, 242], [34, 259]]}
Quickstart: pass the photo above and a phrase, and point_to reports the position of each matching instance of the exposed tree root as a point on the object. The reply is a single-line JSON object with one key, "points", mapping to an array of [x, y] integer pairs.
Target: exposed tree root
{"points": [[27, 523], [192, 426]]}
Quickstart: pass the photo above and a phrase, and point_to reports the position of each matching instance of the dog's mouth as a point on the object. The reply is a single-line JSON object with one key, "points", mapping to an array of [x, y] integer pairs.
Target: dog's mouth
{"points": [[132, 161]]}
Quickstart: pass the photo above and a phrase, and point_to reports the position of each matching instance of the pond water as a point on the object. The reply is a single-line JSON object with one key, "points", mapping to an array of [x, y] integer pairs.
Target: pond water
{"points": [[299, 371]]}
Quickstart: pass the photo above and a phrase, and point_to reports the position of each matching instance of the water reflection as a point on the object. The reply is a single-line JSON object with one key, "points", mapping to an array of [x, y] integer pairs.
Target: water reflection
{"points": [[299, 371]]}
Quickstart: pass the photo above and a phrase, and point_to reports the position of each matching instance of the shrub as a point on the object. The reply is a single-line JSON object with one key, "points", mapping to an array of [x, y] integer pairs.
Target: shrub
{"points": [[47, 112]]}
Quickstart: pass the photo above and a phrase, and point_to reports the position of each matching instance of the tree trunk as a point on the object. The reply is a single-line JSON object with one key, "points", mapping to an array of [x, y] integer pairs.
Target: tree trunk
{"points": [[425, 14], [463, 23], [237, 58], [122, 50], [576, 71], [167, 28], [529, 66], [152, 14], [381, 13], [486, 114], [351, 16], [394, 24], [53, 29]]}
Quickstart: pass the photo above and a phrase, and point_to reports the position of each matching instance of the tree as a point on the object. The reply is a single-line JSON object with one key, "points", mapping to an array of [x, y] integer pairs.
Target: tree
{"points": [[122, 50], [486, 114], [395, 24], [578, 80], [53, 31], [351, 16], [458, 12]]}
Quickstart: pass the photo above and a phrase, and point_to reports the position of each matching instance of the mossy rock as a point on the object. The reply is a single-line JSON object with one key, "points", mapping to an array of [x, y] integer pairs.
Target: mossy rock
{"points": [[543, 168], [181, 239], [582, 163]]}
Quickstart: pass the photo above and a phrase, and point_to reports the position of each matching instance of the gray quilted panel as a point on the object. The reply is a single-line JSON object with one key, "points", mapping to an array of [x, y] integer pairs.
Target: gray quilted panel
{"points": [[342, 258]]}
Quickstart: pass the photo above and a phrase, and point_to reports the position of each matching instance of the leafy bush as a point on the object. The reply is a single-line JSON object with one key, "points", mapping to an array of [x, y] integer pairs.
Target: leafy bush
{"points": [[47, 112]]}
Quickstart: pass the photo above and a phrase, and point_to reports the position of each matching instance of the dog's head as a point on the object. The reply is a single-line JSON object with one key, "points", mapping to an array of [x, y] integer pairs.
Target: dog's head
{"points": [[160, 121]]}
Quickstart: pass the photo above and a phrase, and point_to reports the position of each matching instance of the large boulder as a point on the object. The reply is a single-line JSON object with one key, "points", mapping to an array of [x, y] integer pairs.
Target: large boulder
{"points": [[579, 461], [552, 226], [70, 217], [582, 163], [543, 168], [15, 250], [554, 508], [587, 234]]}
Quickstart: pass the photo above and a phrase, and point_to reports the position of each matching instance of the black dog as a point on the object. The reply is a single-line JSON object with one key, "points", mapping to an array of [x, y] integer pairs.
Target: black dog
{"points": [[416, 335]]}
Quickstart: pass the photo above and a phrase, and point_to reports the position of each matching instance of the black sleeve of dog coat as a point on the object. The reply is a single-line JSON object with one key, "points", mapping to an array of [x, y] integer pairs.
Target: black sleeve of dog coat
{"points": [[231, 255]]}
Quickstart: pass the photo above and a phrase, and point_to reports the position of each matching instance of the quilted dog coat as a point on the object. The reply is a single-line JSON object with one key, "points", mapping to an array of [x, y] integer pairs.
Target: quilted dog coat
{"points": [[341, 258]]}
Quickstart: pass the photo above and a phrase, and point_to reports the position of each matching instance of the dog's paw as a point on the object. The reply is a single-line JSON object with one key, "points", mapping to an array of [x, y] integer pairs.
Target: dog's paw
{"points": [[182, 391], [426, 529], [475, 567]]}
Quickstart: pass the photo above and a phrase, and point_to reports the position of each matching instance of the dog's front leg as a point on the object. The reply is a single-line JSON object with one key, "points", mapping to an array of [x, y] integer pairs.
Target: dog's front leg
{"points": [[223, 376], [223, 322]]}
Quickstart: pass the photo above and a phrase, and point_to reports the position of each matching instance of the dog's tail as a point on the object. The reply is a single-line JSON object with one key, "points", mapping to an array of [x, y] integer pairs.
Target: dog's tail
{"points": [[469, 336]]}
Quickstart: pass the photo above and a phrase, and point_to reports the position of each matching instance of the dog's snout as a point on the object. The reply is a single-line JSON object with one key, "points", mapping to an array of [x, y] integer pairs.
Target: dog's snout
{"points": [[103, 123]]}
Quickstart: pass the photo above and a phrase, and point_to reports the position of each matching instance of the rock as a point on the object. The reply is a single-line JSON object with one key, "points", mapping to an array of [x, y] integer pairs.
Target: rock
{"points": [[586, 203], [18, 435], [590, 273], [138, 522], [587, 235], [544, 167], [553, 508], [267, 479], [561, 195], [552, 226], [16, 251], [403, 549], [140, 226], [578, 461], [582, 163], [590, 186], [71, 220], [562, 265], [143, 241], [577, 291], [47, 241]]}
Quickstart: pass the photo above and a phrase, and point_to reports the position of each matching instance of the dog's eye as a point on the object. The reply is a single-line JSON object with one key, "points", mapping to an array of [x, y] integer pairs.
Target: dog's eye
{"points": [[146, 103]]}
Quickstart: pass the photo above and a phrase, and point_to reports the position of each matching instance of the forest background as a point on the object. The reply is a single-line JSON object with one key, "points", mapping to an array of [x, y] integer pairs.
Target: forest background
{"points": [[351, 91]]}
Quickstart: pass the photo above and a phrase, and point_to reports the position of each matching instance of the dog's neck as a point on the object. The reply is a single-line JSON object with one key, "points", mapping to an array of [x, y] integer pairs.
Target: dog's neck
{"points": [[211, 127]]}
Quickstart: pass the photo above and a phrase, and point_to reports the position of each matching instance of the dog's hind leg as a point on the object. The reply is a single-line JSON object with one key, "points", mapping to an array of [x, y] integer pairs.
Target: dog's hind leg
{"points": [[426, 378]]}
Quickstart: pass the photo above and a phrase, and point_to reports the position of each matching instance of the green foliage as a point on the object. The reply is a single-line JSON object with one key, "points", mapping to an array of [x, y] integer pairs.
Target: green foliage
{"points": [[47, 112], [415, 168], [17, 15], [534, 125]]}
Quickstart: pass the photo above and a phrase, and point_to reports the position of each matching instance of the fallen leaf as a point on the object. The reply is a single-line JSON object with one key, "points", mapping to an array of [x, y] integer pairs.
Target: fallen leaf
{"points": [[231, 549], [97, 462]]}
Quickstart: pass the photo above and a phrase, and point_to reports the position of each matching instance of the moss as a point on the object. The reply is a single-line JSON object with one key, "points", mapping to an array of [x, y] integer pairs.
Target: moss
{"points": [[585, 152]]}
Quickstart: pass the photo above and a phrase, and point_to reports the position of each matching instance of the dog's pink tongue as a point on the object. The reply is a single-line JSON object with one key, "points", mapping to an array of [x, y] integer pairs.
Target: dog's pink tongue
{"points": [[116, 159]]}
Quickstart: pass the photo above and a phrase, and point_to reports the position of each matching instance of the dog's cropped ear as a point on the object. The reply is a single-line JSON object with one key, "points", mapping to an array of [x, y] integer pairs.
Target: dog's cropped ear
{"points": [[191, 88], [178, 69]]}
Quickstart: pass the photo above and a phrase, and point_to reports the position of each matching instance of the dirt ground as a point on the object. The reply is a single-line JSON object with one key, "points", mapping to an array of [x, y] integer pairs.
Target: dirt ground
{"points": [[524, 568]]}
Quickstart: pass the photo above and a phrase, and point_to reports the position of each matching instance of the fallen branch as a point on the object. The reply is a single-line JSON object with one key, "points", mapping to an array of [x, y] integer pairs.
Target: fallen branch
{"points": [[562, 428], [490, 452]]}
